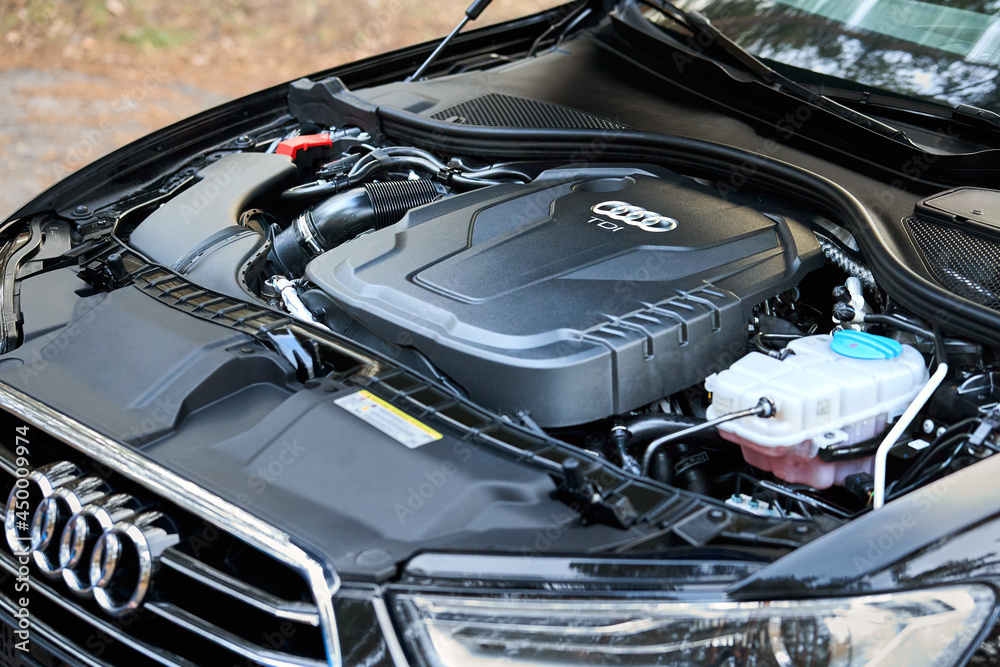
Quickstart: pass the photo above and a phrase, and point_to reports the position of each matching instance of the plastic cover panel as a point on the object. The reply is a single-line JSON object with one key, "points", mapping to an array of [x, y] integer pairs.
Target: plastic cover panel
{"points": [[531, 301]]}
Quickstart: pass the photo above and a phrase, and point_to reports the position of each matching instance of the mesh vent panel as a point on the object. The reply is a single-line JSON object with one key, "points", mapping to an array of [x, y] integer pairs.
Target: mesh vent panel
{"points": [[965, 264], [496, 110]]}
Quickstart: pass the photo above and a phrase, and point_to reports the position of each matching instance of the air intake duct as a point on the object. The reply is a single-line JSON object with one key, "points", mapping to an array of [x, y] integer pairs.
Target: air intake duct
{"points": [[346, 215]]}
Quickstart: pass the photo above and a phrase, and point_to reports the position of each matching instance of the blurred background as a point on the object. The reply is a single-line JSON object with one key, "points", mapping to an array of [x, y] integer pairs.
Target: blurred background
{"points": [[79, 78]]}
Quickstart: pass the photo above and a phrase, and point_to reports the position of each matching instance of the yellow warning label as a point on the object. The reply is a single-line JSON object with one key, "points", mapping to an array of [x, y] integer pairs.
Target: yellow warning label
{"points": [[389, 419]]}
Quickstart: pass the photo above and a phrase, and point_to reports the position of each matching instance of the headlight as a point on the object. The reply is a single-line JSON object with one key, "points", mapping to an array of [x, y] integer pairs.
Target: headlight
{"points": [[928, 627]]}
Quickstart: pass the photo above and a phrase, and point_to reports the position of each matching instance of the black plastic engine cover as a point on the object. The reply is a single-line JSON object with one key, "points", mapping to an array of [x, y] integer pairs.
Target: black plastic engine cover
{"points": [[532, 301]]}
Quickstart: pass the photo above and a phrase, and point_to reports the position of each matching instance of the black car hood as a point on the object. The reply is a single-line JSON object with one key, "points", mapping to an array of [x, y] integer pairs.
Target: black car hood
{"points": [[253, 442], [212, 405]]}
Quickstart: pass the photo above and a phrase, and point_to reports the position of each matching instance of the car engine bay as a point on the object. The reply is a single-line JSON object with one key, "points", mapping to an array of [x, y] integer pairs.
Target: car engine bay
{"points": [[722, 342], [479, 302], [608, 341]]}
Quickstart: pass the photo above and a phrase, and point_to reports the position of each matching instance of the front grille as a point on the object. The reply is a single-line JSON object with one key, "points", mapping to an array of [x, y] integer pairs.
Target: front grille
{"points": [[966, 264], [215, 598], [497, 110]]}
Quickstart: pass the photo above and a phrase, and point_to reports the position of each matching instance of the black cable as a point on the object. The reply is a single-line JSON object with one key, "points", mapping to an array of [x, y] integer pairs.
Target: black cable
{"points": [[896, 322], [919, 466], [951, 457], [647, 428], [781, 336], [383, 159], [555, 26], [940, 352], [410, 161], [948, 437], [370, 165], [857, 450], [961, 439], [313, 190], [410, 151], [801, 496], [365, 160], [466, 183], [497, 172]]}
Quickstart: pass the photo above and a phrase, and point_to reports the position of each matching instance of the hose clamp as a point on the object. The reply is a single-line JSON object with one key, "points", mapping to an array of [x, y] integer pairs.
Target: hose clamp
{"points": [[447, 173], [304, 231]]}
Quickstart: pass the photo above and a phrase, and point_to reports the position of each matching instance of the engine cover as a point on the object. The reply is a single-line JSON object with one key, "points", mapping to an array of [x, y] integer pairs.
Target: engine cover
{"points": [[587, 293]]}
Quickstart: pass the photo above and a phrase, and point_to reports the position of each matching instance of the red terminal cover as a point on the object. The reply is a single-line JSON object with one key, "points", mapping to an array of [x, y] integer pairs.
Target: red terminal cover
{"points": [[291, 147]]}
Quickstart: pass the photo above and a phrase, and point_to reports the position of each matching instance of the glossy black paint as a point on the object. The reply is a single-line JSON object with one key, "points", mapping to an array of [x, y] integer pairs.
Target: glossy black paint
{"points": [[947, 532]]}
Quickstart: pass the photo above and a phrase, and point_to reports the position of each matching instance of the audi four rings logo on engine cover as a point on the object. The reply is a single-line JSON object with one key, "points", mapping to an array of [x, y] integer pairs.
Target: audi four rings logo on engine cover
{"points": [[622, 211], [101, 543]]}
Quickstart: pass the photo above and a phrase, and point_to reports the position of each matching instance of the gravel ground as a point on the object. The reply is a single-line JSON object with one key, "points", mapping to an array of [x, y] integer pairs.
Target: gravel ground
{"points": [[79, 79], [54, 122]]}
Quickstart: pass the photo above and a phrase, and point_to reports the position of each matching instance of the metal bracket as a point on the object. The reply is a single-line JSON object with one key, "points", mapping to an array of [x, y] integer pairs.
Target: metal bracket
{"points": [[294, 352]]}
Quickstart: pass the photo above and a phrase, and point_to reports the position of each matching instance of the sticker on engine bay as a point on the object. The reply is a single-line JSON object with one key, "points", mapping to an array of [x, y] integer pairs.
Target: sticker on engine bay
{"points": [[389, 419]]}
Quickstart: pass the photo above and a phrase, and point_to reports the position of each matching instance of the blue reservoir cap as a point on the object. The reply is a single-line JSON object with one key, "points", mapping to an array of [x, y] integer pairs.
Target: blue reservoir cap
{"points": [[861, 345]]}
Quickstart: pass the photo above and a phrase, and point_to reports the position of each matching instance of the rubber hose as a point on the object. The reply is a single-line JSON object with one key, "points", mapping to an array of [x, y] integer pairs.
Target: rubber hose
{"points": [[345, 216]]}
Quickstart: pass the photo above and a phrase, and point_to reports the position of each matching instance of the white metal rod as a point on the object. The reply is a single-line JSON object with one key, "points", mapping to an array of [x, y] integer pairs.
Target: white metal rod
{"points": [[882, 454]]}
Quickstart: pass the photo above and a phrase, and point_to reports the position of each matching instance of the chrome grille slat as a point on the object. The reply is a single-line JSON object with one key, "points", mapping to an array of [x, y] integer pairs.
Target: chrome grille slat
{"points": [[299, 612], [7, 464], [154, 653], [227, 639], [227, 593], [54, 638]]}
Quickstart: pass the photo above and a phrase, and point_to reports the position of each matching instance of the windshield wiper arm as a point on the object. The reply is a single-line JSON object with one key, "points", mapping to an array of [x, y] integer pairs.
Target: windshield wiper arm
{"points": [[965, 113], [702, 28], [976, 116], [982, 119]]}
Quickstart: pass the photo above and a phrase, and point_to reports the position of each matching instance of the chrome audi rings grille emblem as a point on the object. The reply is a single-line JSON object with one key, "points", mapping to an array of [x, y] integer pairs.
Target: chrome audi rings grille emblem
{"points": [[101, 543], [621, 211]]}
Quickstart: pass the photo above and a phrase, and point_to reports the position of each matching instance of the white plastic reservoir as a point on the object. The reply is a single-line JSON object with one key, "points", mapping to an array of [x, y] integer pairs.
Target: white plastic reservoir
{"points": [[834, 390]]}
